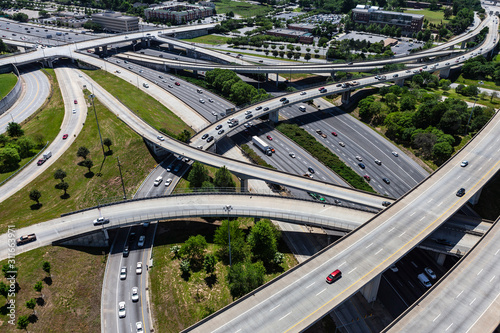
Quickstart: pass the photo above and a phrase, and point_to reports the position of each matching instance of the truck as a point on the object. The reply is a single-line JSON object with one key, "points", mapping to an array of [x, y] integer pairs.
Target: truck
{"points": [[262, 145], [26, 239], [44, 158]]}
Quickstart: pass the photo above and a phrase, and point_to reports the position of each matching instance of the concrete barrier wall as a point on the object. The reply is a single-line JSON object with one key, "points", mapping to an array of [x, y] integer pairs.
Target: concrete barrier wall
{"points": [[13, 95]]}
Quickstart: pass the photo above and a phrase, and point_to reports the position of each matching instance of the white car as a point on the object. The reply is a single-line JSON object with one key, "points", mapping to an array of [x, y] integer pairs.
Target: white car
{"points": [[74, 111], [430, 272], [359, 158], [123, 273], [202, 101], [464, 164], [121, 310], [160, 137], [395, 153], [138, 327], [101, 220], [303, 93], [168, 182], [138, 268], [292, 155], [135, 294], [140, 243]]}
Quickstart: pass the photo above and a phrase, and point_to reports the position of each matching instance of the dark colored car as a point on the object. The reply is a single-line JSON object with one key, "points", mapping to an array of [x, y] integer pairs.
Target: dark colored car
{"points": [[218, 127], [266, 108], [125, 251], [386, 180], [282, 99], [334, 276], [361, 165], [386, 203], [40, 161], [286, 101], [220, 132], [311, 170], [204, 136], [210, 138], [461, 192], [248, 116], [177, 84]]}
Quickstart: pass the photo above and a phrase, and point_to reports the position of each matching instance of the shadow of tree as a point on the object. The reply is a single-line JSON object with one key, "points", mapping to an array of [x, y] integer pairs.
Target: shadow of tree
{"points": [[33, 318], [89, 174], [211, 280], [186, 276], [109, 152], [40, 301], [36, 206], [65, 196], [47, 280]]}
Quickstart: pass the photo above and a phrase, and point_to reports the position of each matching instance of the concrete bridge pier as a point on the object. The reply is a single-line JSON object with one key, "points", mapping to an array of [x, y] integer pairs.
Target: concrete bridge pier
{"points": [[274, 116], [463, 44], [244, 184], [400, 82], [277, 79], [370, 290], [346, 95], [170, 47], [475, 198], [440, 259], [94, 239], [47, 62], [267, 77], [195, 72], [444, 73], [105, 49], [96, 49]]}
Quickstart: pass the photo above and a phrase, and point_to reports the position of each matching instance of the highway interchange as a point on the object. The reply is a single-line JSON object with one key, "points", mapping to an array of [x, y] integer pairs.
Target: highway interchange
{"points": [[152, 136]]}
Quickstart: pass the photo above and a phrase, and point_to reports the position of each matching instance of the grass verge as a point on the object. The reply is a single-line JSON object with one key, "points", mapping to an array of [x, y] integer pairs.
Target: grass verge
{"points": [[323, 154], [85, 189], [209, 39], [435, 17], [69, 300], [7, 82], [184, 185], [254, 157], [486, 83], [45, 123], [178, 302], [148, 108]]}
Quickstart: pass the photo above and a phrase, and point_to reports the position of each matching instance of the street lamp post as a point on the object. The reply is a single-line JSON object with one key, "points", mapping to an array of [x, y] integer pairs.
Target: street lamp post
{"points": [[97, 121], [227, 209]]}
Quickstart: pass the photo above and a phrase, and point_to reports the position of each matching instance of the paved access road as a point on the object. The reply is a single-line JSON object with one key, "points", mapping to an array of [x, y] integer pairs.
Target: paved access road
{"points": [[72, 125], [35, 90]]}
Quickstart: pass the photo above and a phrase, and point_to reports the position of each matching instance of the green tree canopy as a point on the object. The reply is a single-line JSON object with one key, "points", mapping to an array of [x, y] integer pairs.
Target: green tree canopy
{"points": [[239, 248], [194, 247], [35, 195], [223, 178], [245, 277], [197, 175], [83, 152], [14, 130], [263, 241]]}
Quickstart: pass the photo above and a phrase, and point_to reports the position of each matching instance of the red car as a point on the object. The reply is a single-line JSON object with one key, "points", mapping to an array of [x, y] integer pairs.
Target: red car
{"points": [[270, 138], [76, 102], [334, 133], [321, 88], [367, 177], [40, 161], [177, 84], [65, 136], [334, 276]]}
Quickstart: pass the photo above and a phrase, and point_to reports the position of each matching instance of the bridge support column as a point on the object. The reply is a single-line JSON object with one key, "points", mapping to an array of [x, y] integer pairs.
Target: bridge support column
{"points": [[400, 82], [105, 49], [96, 49], [277, 79], [170, 47], [274, 116], [444, 73], [475, 198], [148, 42], [244, 184], [195, 72], [267, 77], [370, 290], [464, 43], [440, 259], [346, 95]]}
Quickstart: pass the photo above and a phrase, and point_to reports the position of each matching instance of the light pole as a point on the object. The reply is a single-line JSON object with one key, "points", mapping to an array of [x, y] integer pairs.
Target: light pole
{"points": [[97, 121], [227, 209], [123, 185], [471, 111]]}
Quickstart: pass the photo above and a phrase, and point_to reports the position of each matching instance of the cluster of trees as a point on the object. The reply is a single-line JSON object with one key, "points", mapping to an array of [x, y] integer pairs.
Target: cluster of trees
{"points": [[321, 153], [228, 84], [388, 30], [344, 49], [252, 256], [10, 271], [479, 68], [229, 25], [418, 119], [16, 146], [199, 179], [461, 21], [259, 40]]}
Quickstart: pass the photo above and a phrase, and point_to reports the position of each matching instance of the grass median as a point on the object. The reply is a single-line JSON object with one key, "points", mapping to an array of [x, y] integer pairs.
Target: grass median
{"points": [[7, 82], [86, 189]]}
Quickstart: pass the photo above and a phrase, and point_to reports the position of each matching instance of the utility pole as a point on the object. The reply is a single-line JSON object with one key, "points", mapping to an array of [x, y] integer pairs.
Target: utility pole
{"points": [[98, 128], [121, 176]]}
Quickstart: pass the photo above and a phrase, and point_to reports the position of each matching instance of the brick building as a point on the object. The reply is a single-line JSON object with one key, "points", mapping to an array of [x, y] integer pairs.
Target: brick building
{"points": [[178, 13], [409, 23]]}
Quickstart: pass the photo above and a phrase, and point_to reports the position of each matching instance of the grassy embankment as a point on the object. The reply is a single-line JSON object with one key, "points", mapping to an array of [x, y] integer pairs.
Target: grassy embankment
{"points": [[243, 9], [7, 82]]}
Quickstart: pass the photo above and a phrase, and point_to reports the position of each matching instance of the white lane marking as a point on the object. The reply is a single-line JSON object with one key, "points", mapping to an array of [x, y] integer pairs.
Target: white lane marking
{"points": [[352, 270], [459, 294], [479, 272], [369, 245], [285, 315], [429, 201], [411, 284], [342, 264], [238, 331], [310, 285], [468, 179], [459, 176], [436, 317], [320, 292], [391, 229], [277, 306], [423, 217], [472, 301], [402, 234], [412, 214], [492, 278], [497, 252], [379, 251], [449, 327]]}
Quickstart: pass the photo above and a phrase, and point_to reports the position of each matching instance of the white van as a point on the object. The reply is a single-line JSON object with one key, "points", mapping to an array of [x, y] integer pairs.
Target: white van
{"points": [[158, 180], [422, 278], [145, 85], [302, 108], [47, 155]]}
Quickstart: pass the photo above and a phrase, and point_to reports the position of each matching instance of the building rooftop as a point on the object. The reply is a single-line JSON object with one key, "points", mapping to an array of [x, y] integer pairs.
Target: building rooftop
{"points": [[356, 10], [289, 32]]}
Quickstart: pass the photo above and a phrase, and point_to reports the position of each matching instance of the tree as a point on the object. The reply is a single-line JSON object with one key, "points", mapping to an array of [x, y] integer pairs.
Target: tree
{"points": [[62, 186], [108, 143], [441, 152], [198, 175], [35, 195], [245, 277], [9, 158], [494, 94], [46, 267], [184, 136], [223, 178], [194, 247], [83, 152], [22, 322], [38, 286], [88, 163], [209, 263], [25, 144], [307, 57], [4, 289], [60, 174], [263, 241], [239, 248], [14, 130], [31, 304]]}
